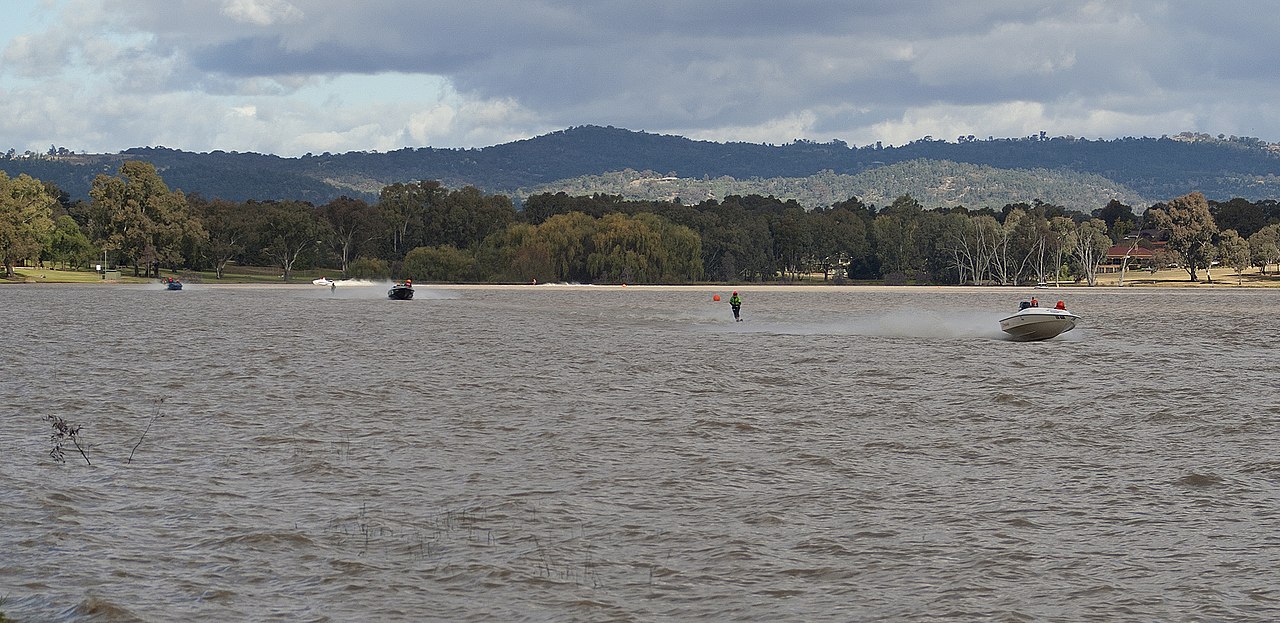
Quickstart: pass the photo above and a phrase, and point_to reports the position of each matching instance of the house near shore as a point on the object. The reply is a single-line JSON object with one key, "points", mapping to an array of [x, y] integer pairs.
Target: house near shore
{"points": [[1141, 253]]}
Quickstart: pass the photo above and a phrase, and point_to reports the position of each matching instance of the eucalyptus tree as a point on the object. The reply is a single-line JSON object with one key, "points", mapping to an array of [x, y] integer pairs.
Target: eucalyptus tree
{"points": [[1043, 235], [352, 222], [1264, 246], [1028, 243], [136, 216], [1191, 230], [1090, 248], [1119, 218], [26, 210], [1240, 214], [285, 230], [895, 229], [737, 240], [466, 216], [404, 207], [795, 240], [1061, 243], [840, 237], [974, 243], [1003, 260], [68, 244], [229, 225], [1234, 252], [934, 232]]}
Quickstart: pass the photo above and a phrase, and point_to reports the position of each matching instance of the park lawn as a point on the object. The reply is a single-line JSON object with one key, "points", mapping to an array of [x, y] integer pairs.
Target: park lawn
{"points": [[1175, 277], [28, 274], [233, 274]]}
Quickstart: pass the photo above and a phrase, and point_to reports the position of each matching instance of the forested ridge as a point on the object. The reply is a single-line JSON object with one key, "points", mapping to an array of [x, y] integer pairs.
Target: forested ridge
{"points": [[939, 183], [427, 231], [1151, 169]]}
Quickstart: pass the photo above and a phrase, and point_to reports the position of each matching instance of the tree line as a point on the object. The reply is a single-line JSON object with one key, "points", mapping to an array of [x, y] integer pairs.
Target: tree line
{"points": [[425, 231]]}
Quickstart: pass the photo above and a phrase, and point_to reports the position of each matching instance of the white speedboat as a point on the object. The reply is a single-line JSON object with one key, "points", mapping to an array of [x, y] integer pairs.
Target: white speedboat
{"points": [[323, 281], [1038, 323]]}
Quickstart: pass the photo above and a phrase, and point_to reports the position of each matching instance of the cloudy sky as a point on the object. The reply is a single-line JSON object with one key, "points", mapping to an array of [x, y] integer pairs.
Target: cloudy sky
{"points": [[295, 76]]}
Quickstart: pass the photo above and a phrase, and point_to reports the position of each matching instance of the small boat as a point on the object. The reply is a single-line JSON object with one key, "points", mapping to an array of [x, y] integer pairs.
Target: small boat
{"points": [[323, 281], [401, 291], [1033, 323], [173, 284]]}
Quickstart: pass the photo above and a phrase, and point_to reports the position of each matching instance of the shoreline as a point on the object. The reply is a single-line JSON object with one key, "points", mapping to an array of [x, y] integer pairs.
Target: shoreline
{"points": [[1164, 279], [713, 287]]}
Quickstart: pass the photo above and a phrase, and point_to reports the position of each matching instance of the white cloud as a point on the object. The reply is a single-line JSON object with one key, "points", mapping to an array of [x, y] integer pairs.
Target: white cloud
{"points": [[261, 12], [784, 129]]}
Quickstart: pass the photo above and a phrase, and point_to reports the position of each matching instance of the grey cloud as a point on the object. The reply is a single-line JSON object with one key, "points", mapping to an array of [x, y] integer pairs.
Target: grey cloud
{"points": [[675, 65]]}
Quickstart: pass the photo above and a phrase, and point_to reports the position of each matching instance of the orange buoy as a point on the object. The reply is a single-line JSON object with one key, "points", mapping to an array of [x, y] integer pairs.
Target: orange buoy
{"points": [[716, 297]]}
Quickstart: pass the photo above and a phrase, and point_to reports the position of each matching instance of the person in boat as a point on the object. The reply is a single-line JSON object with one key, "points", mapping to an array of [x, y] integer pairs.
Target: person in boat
{"points": [[1061, 305], [408, 283], [735, 302], [1034, 302]]}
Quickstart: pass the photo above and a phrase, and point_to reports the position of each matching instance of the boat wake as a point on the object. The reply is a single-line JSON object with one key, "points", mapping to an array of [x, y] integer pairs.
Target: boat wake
{"points": [[901, 323]]}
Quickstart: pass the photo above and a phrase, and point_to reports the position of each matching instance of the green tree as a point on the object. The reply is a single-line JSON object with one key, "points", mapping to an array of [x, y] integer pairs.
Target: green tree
{"points": [[229, 230], [1029, 245], [1091, 244], [680, 255], [1234, 252], [796, 241], [1239, 214], [369, 268], [442, 263], [1264, 246], [353, 223], [622, 250], [974, 246], [69, 245], [25, 219], [1190, 228], [1119, 218], [567, 238], [464, 217], [404, 207], [136, 216], [1061, 242], [285, 230], [895, 237], [516, 254], [841, 236]]}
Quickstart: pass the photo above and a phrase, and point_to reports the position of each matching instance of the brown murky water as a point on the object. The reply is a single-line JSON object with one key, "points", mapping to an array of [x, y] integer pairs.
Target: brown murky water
{"points": [[552, 454]]}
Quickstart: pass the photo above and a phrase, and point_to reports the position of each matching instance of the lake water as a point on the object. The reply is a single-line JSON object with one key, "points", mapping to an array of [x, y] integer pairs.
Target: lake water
{"points": [[631, 454]]}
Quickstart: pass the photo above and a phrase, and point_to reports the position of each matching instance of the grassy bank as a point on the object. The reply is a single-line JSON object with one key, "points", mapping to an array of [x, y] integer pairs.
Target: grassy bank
{"points": [[238, 274], [1217, 278]]}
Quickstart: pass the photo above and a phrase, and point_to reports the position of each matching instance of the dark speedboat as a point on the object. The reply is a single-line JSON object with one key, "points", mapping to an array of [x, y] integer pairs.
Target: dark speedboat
{"points": [[173, 284], [401, 291]]}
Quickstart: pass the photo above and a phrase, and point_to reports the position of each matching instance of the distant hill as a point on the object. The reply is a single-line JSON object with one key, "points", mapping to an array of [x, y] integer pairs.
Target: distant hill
{"points": [[931, 182], [1143, 169]]}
